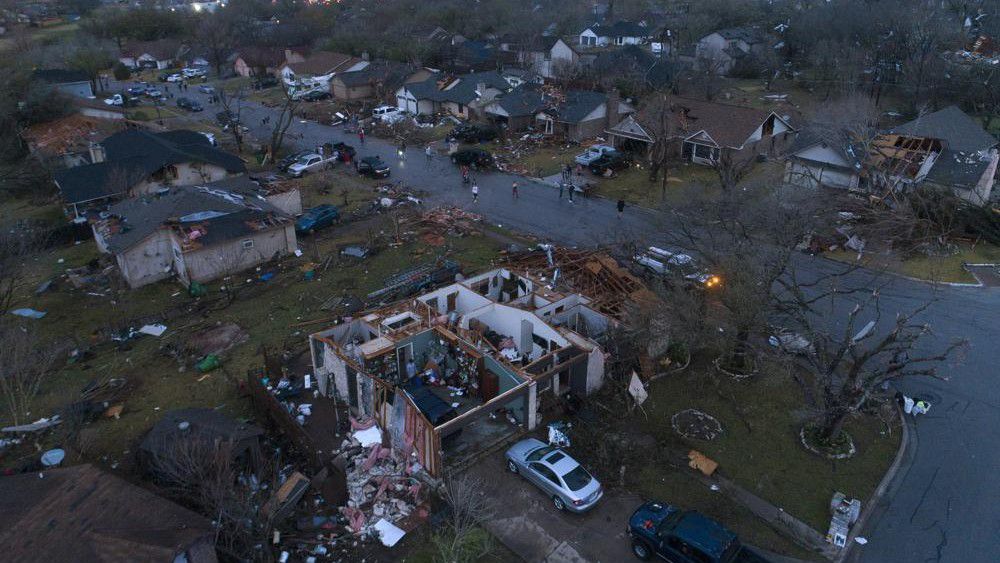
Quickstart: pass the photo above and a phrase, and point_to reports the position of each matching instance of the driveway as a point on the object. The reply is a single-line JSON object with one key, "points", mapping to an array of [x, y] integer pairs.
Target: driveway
{"points": [[947, 504], [530, 526]]}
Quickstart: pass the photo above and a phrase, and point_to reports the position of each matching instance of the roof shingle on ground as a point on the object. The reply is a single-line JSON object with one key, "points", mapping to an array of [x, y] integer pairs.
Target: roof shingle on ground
{"points": [[226, 214], [132, 156], [83, 514]]}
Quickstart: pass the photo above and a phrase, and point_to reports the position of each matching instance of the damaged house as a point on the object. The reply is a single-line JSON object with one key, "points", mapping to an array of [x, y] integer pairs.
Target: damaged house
{"points": [[576, 115], [462, 96], [192, 232], [462, 367], [945, 149], [136, 162]]}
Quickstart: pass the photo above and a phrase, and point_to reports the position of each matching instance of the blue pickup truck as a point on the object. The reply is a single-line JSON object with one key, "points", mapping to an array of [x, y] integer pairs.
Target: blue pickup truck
{"points": [[683, 536]]}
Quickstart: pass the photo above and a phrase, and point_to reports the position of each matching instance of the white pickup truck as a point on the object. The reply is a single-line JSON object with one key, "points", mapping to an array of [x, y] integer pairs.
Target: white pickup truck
{"points": [[309, 162], [592, 153]]}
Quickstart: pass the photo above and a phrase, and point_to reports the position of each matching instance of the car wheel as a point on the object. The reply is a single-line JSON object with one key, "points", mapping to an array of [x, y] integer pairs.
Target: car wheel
{"points": [[559, 504], [511, 466], [641, 550]]}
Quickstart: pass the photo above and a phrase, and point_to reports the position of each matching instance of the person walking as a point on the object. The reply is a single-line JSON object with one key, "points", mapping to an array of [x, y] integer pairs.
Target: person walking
{"points": [[402, 150], [428, 152], [514, 189], [361, 135], [475, 191], [571, 189], [562, 185], [621, 207]]}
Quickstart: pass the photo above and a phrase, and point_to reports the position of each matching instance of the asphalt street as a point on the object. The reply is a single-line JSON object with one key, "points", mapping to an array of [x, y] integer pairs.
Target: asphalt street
{"points": [[946, 501]]}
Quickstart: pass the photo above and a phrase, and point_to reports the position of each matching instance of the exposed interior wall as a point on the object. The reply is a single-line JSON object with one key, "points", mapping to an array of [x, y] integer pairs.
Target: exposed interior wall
{"points": [[206, 264], [508, 321], [149, 261], [466, 300]]}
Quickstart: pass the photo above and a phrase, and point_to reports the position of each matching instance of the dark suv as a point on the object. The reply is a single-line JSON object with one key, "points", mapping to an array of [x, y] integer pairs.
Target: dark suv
{"points": [[374, 167], [189, 104], [613, 160]]}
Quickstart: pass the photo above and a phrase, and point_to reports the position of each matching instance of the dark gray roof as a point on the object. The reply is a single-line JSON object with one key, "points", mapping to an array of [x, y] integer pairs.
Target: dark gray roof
{"points": [[389, 73], [134, 155], [463, 92], [203, 423], [526, 99], [959, 169], [747, 34], [635, 61], [960, 132], [620, 29], [61, 76], [810, 137], [576, 105], [228, 214]]}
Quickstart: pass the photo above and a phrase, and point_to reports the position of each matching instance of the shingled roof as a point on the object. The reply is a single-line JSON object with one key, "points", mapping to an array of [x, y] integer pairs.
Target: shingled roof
{"points": [[226, 215], [134, 155], [324, 62], [461, 91], [960, 132], [83, 514], [61, 75], [726, 124]]}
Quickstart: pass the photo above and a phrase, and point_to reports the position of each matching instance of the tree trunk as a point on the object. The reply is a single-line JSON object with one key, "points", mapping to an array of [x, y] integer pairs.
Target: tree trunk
{"points": [[833, 424]]}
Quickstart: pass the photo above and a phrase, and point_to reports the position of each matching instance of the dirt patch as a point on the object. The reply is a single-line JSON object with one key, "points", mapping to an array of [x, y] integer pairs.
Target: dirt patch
{"points": [[696, 425], [219, 339]]}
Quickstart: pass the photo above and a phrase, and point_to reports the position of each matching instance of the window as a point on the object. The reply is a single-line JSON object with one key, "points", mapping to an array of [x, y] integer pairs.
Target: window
{"points": [[539, 453], [541, 342], [577, 479], [545, 472], [555, 457], [248, 243]]}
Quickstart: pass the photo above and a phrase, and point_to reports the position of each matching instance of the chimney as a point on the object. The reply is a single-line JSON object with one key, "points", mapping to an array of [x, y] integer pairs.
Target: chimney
{"points": [[97, 154], [614, 100]]}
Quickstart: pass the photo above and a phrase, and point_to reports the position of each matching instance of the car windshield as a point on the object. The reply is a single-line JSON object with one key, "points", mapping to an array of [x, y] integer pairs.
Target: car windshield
{"points": [[577, 479], [539, 453], [305, 159]]}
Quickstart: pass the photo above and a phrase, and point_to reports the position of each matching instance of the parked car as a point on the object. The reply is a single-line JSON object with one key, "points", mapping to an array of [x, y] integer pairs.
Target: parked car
{"points": [[175, 78], [374, 167], [291, 159], [345, 152], [115, 100], [309, 162], [191, 72], [790, 342], [387, 114], [206, 89], [319, 217], [557, 474], [153, 93], [473, 133], [683, 536], [612, 160], [592, 153], [316, 95], [662, 262], [470, 157], [189, 104], [137, 90]]}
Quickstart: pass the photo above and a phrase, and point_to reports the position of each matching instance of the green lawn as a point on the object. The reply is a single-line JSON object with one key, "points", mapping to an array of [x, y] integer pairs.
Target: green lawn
{"points": [[634, 187], [759, 448], [267, 311], [546, 161], [941, 269]]}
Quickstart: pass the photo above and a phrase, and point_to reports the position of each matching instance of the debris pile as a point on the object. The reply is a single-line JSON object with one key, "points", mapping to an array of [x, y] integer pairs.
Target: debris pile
{"points": [[449, 220]]}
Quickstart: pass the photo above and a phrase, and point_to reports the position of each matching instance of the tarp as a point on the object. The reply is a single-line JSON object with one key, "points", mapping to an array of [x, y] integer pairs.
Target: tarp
{"points": [[28, 313], [369, 437]]}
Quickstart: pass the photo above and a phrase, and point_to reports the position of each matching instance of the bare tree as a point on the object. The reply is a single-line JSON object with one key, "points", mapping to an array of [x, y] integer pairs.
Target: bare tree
{"points": [[204, 474], [732, 166], [660, 122], [232, 105], [470, 506], [16, 245], [850, 361], [25, 363], [283, 121]]}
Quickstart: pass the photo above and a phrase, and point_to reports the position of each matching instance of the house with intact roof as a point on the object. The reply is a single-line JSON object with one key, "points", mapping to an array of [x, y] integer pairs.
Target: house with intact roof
{"points": [[575, 115], [196, 233], [548, 56], [82, 513], [378, 80], [316, 70], [619, 33], [159, 54], [137, 162], [704, 130], [722, 50]]}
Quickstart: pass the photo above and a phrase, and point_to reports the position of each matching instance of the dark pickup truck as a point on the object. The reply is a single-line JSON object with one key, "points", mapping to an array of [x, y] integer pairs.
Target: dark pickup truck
{"points": [[683, 536]]}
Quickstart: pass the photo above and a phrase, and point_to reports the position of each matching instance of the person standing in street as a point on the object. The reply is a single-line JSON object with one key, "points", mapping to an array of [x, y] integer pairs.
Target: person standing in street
{"points": [[621, 207], [514, 189], [562, 185], [475, 191], [428, 152], [571, 189], [361, 135]]}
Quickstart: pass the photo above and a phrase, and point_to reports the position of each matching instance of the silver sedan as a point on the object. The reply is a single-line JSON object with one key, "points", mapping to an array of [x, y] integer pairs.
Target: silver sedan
{"points": [[553, 471]]}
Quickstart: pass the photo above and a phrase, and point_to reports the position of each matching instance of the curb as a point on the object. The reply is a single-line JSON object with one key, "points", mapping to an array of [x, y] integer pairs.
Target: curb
{"points": [[905, 277], [877, 503]]}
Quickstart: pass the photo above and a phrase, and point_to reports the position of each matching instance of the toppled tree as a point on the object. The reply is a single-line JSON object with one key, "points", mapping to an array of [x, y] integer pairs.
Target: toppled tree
{"points": [[465, 539]]}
